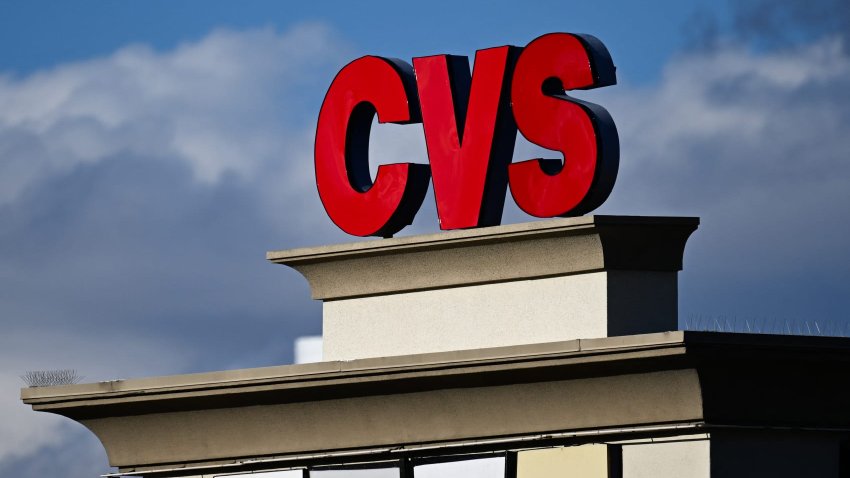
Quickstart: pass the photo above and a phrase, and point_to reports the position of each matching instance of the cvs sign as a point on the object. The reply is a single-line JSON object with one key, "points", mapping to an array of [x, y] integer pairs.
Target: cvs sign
{"points": [[470, 123]]}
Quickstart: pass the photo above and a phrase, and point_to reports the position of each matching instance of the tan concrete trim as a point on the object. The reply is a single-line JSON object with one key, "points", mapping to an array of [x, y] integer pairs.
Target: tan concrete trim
{"points": [[413, 417], [494, 254], [310, 373], [443, 398]]}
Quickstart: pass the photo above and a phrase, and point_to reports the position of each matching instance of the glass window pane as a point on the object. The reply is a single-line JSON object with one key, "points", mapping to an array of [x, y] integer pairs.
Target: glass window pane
{"points": [[267, 474], [476, 468], [357, 473], [660, 459]]}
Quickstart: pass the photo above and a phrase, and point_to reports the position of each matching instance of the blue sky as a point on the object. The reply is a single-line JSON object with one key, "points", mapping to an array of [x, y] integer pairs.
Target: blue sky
{"points": [[151, 152], [643, 36]]}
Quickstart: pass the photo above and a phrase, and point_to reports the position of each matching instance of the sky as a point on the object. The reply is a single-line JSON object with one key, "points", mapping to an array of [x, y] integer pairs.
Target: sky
{"points": [[152, 152]]}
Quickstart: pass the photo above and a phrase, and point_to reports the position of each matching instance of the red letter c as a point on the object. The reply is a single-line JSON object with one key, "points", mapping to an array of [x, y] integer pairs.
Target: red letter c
{"points": [[362, 88]]}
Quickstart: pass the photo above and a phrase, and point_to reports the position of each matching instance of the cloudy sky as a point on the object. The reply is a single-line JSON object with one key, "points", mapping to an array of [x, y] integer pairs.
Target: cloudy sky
{"points": [[151, 152]]}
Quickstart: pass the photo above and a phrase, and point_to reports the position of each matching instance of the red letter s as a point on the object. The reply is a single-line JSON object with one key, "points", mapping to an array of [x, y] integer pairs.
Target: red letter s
{"points": [[583, 132]]}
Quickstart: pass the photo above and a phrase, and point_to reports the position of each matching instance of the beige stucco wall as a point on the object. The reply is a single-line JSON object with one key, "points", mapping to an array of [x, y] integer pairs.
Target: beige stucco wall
{"points": [[586, 461], [489, 315]]}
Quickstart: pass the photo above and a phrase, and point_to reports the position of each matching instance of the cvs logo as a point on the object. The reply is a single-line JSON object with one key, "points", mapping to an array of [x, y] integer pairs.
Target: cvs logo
{"points": [[470, 123]]}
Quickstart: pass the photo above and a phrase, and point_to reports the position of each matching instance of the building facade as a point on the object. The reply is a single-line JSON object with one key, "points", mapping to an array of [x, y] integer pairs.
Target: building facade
{"points": [[546, 349]]}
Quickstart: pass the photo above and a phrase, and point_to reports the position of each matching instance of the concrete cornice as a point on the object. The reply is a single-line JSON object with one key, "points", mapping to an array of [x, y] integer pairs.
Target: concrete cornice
{"points": [[506, 393], [492, 254], [337, 372]]}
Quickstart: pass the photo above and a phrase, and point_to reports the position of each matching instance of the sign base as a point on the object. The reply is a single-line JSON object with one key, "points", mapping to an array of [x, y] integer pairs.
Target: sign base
{"points": [[546, 281]]}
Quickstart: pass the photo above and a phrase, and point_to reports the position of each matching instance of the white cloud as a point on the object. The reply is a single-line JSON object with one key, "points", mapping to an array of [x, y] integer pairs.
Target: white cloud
{"points": [[217, 104], [753, 143]]}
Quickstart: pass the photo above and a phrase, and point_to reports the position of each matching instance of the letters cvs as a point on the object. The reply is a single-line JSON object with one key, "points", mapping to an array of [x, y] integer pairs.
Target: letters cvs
{"points": [[470, 123]]}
